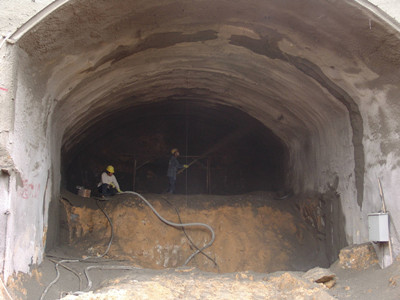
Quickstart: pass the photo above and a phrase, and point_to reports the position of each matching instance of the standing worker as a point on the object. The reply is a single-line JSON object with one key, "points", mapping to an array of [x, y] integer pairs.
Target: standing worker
{"points": [[109, 185], [173, 167]]}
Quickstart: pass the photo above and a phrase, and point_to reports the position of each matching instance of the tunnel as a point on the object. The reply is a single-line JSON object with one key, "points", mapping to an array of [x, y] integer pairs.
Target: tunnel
{"points": [[231, 152], [285, 111]]}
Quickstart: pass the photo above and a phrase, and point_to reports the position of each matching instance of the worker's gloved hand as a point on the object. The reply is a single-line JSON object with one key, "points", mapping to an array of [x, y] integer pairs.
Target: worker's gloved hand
{"points": [[186, 166], [112, 185], [119, 191]]}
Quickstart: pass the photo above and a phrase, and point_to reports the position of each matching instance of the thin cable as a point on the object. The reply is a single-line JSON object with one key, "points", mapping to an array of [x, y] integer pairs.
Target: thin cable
{"points": [[81, 260], [57, 277], [178, 225], [88, 260], [104, 267], [187, 236], [111, 227], [69, 269], [90, 284]]}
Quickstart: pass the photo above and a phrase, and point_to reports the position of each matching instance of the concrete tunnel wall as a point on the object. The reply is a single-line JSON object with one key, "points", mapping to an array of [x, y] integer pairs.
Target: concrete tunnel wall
{"points": [[328, 93]]}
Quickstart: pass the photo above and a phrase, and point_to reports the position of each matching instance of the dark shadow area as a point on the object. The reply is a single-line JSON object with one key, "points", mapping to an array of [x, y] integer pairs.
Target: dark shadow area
{"points": [[233, 152]]}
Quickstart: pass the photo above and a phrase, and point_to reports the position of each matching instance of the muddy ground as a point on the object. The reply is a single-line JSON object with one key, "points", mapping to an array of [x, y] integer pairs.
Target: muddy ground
{"points": [[263, 249], [190, 283]]}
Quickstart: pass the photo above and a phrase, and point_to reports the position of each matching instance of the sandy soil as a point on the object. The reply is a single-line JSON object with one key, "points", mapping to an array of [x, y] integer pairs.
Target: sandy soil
{"points": [[252, 232], [146, 256]]}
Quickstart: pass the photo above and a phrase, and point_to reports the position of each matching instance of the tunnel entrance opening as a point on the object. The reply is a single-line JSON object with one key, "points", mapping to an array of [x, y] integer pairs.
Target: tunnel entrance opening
{"points": [[238, 171], [228, 151], [326, 91]]}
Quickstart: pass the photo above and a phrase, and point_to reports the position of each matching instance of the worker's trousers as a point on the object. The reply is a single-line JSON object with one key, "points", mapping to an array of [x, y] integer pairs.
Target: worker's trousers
{"points": [[172, 181], [107, 190]]}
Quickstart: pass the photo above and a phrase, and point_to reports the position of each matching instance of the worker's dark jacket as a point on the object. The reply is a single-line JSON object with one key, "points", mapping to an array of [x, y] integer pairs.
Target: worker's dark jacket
{"points": [[173, 166]]}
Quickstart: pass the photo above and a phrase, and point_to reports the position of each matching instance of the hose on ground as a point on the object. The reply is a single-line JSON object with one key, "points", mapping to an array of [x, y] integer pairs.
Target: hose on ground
{"points": [[69, 269], [183, 225], [187, 236], [105, 267], [80, 260], [57, 276]]}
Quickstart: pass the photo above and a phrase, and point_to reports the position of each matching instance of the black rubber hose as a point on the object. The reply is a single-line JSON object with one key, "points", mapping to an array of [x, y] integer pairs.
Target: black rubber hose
{"points": [[177, 225], [187, 236]]}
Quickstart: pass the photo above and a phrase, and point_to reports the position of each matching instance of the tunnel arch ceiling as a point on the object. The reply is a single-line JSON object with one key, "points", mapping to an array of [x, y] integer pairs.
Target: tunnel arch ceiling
{"points": [[295, 67], [204, 87]]}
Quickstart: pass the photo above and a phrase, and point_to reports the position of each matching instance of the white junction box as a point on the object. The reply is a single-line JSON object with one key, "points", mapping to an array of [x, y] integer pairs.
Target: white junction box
{"points": [[378, 227]]}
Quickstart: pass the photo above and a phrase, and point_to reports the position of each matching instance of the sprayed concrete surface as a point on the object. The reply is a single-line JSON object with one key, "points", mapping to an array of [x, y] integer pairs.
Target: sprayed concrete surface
{"points": [[322, 76]]}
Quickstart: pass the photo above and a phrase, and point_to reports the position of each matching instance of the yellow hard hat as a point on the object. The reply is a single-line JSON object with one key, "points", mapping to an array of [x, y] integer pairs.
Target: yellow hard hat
{"points": [[110, 169], [174, 150]]}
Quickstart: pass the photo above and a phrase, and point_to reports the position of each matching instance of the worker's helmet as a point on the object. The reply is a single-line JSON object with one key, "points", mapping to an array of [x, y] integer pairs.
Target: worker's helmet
{"points": [[174, 150], [110, 169]]}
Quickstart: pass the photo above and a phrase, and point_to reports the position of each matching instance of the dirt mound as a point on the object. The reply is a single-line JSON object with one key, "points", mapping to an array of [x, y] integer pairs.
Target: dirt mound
{"points": [[252, 232], [193, 285]]}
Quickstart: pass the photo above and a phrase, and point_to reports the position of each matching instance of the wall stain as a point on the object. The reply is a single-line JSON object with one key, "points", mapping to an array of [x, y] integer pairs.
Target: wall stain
{"points": [[154, 41], [268, 46]]}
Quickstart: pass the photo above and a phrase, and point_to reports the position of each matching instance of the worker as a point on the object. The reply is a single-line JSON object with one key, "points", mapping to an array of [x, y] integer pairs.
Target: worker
{"points": [[173, 167], [108, 186]]}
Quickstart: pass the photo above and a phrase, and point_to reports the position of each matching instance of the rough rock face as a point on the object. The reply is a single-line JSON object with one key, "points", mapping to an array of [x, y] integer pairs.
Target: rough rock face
{"points": [[320, 275], [358, 256]]}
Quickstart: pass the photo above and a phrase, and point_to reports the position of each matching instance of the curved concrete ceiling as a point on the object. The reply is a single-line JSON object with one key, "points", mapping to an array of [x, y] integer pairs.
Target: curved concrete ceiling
{"points": [[299, 67]]}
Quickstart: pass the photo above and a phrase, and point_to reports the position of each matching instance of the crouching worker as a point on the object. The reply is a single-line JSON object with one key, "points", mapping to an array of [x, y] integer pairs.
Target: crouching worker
{"points": [[109, 185]]}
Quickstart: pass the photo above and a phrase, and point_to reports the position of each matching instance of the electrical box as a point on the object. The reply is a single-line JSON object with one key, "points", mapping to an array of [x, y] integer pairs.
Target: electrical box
{"points": [[378, 227]]}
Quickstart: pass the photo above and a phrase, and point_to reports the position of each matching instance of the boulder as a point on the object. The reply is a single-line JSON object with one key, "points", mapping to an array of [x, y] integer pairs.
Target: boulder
{"points": [[320, 275], [358, 257]]}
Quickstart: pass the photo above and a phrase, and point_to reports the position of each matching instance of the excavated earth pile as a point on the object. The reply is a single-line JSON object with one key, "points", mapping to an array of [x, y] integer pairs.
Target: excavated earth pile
{"points": [[192, 285], [121, 250], [252, 232]]}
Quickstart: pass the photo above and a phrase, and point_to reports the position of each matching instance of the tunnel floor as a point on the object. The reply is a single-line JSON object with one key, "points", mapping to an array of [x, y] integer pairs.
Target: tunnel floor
{"points": [[191, 283], [264, 248]]}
